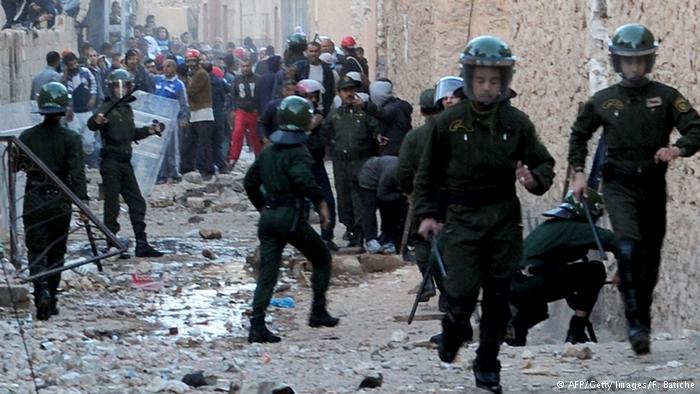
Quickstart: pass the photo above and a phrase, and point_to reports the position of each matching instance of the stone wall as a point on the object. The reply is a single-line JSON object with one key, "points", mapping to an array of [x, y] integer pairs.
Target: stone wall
{"points": [[561, 47], [23, 55]]}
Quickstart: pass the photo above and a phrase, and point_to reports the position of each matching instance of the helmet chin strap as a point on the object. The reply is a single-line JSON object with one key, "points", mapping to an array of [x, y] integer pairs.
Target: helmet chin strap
{"points": [[634, 82]]}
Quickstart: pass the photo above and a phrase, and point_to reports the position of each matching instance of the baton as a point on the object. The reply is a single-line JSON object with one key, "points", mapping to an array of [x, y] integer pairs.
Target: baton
{"points": [[93, 245], [438, 257], [111, 108], [589, 218]]}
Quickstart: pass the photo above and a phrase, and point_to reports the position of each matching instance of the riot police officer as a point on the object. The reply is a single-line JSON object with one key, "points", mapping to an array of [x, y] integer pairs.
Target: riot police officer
{"points": [[283, 170], [477, 149], [118, 131], [637, 116], [47, 212]]}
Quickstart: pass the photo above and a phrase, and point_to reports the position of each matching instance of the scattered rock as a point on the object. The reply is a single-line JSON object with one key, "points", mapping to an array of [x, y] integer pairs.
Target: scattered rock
{"points": [[210, 234], [663, 336], [372, 382], [193, 177], [399, 336], [162, 203], [173, 331], [260, 388], [197, 379], [527, 355], [347, 265], [209, 254], [196, 203], [674, 364], [195, 219], [380, 263], [20, 294], [585, 354], [70, 378], [569, 350]]}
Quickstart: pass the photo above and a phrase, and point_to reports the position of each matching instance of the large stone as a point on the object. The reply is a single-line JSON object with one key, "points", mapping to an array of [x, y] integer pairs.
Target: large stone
{"points": [[348, 265], [196, 203], [210, 234], [193, 177], [20, 294], [380, 263]]}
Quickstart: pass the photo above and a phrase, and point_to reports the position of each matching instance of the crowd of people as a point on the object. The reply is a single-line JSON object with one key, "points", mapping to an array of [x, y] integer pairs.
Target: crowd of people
{"points": [[458, 170]]}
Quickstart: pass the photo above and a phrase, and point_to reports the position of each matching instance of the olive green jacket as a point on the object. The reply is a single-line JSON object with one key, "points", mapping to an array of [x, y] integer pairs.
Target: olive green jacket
{"points": [[468, 155], [282, 171], [410, 154], [120, 131], [353, 133], [636, 123], [62, 151]]}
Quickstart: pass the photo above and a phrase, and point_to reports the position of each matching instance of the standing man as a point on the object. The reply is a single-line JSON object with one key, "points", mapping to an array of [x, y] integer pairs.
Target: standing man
{"points": [[477, 149], [118, 132], [244, 98], [82, 87], [198, 143], [142, 79], [321, 72], [638, 116], [47, 212], [170, 86], [283, 169], [394, 116], [49, 74], [353, 133], [409, 159]]}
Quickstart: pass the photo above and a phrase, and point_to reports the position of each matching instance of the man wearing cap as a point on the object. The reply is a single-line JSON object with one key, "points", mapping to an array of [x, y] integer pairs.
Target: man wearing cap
{"points": [[353, 134], [637, 116], [555, 266], [47, 212], [283, 169], [476, 150]]}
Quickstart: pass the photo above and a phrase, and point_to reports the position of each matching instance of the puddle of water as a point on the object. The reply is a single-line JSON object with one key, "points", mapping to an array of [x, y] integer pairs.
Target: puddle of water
{"points": [[203, 313]]}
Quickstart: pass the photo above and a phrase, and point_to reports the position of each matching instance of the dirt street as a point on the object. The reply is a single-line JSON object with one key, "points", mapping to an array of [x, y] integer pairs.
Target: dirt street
{"points": [[144, 324]]}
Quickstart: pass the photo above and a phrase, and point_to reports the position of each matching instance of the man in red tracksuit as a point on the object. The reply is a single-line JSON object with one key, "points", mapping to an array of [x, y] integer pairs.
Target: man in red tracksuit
{"points": [[244, 96]]}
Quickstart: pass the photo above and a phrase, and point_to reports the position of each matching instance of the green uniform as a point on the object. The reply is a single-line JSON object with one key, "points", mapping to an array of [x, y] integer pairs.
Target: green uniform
{"points": [[47, 212], [409, 158], [284, 173], [637, 122], [117, 174], [474, 154], [552, 255], [353, 132]]}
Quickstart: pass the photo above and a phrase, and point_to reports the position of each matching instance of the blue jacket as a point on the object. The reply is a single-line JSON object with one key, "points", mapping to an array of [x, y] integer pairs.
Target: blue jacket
{"points": [[175, 89]]}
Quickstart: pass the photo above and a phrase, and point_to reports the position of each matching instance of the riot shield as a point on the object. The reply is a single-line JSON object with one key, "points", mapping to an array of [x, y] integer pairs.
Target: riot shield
{"points": [[148, 153]]}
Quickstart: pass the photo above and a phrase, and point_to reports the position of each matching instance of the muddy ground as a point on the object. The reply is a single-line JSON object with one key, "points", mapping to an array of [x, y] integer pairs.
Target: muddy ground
{"points": [[143, 324]]}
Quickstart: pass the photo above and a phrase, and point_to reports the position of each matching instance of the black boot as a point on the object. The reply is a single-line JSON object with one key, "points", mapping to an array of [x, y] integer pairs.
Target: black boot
{"points": [[453, 336], [259, 333], [54, 306], [143, 249], [488, 377], [42, 301], [355, 239], [577, 330], [319, 315], [638, 333]]}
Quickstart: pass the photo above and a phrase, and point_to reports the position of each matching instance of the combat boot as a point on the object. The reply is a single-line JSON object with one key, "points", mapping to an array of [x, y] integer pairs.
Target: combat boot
{"points": [[453, 336], [319, 315], [577, 330], [42, 301], [54, 306], [143, 249], [259, 333], [639, 337], [488, 377]]}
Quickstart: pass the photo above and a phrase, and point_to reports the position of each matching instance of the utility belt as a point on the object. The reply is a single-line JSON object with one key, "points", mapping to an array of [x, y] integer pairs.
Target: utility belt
{"points": [[120, 157], [641, 173], [482, 196], [344, 155], [273, 201]]}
